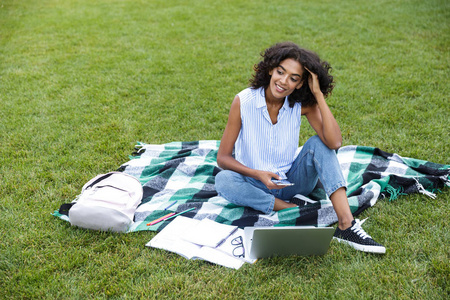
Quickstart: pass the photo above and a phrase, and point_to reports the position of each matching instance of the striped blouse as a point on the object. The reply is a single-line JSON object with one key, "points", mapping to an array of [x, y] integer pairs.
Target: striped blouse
{"points": [[262, 145]]}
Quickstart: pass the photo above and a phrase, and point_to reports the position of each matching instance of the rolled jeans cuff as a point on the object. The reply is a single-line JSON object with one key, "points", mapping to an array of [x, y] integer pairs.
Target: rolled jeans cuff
{"points": [[330, 191]]}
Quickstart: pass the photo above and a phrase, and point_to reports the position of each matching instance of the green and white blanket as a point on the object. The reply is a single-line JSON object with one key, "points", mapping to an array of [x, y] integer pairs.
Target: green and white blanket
{"points": [[182, 174]]}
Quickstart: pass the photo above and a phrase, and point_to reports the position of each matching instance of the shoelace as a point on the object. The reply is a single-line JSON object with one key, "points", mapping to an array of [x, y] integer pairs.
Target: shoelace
{"points": [[358, 229]]}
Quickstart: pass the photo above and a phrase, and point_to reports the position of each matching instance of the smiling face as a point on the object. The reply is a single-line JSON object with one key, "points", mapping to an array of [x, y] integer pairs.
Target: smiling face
{"points": [[285, 79]]}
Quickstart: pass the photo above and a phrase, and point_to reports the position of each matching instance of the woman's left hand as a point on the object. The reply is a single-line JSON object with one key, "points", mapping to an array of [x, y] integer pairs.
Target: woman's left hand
{"points": [[313, 82], [320, 117]]}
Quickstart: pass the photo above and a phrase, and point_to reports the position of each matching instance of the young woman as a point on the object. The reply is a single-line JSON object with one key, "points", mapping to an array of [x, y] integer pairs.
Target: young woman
{"points": [[263, 132]]}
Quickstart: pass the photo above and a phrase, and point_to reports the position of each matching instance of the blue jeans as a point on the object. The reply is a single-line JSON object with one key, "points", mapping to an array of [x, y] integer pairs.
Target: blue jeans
{"points": [[314, 161]]}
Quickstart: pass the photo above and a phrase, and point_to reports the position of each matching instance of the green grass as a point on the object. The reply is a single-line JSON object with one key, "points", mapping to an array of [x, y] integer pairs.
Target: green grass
{"points": [[82, 81]]}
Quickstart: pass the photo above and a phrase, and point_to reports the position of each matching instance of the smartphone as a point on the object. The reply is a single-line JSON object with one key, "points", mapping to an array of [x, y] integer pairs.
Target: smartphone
{"points": [[282, 182]]}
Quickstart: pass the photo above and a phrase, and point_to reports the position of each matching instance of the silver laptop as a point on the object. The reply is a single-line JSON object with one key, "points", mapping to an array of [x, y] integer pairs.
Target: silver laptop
{"points": [[260, 242]]}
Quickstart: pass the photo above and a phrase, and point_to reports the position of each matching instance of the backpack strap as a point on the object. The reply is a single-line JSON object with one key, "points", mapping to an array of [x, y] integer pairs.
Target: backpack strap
{"points": [[100, 178], [64, 209]]}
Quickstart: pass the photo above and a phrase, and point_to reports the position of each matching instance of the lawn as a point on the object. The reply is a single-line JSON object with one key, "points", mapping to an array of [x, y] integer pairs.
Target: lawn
{"points": [[82, 81]]}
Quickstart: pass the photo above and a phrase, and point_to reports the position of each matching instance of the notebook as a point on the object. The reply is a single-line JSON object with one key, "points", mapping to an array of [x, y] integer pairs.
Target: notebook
{"points": [[261, 242]]}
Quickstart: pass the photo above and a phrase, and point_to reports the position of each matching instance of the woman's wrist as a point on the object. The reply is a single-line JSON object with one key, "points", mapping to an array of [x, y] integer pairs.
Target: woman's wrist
{"points": [[318, 95], [320, 98]]}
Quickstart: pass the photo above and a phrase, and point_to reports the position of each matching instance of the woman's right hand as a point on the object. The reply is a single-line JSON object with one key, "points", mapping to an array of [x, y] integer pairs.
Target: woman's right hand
{"points": [[266, 178]]}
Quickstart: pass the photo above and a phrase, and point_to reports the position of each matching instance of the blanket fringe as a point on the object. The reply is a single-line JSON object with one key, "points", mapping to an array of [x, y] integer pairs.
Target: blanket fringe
{"points": [[422, 190], [446, 180], [393, 192]]}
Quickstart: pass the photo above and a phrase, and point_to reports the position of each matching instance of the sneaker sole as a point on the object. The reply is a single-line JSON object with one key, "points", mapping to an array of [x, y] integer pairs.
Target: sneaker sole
{"points": [[364, 248]]}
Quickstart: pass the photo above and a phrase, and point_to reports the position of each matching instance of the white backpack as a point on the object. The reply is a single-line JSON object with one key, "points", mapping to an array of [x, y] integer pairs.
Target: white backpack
{"points": [[107, 202]]}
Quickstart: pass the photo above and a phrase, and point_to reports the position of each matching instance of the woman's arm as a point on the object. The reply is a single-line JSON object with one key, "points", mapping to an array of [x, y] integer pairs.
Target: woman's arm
{"points": [[226, 161], [321, 118]]}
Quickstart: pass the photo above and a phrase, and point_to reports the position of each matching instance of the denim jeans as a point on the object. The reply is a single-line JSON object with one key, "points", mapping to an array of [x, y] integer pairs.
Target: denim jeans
{"points": [[315, 161]]}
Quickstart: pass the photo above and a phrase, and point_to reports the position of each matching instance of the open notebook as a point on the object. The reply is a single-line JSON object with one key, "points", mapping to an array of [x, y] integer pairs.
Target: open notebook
{"points": [[203, 239]]}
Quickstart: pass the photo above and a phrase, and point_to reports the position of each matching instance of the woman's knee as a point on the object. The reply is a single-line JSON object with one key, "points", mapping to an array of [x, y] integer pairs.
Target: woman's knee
{"points": [[315, 142], [223, 180]]}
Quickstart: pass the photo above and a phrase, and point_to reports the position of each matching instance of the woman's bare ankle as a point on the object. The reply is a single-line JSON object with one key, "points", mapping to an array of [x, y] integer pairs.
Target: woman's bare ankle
{"points": [[344, 224], [280, 204]]}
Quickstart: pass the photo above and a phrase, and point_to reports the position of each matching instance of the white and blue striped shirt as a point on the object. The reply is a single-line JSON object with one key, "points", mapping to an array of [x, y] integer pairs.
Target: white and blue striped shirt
{"points": [[262, 145]]}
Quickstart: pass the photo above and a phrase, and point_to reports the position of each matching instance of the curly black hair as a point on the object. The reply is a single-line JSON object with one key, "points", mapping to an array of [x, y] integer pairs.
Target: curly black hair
{"points": [[273, 56]]}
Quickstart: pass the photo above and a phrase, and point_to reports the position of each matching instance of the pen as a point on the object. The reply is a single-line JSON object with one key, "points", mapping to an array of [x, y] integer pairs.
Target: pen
{"points": [[192, 208], [170, 205], [160, 219]]}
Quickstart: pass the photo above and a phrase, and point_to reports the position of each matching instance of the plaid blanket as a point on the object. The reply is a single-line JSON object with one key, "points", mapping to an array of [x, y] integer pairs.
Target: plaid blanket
{"points": [[181, 174]]}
